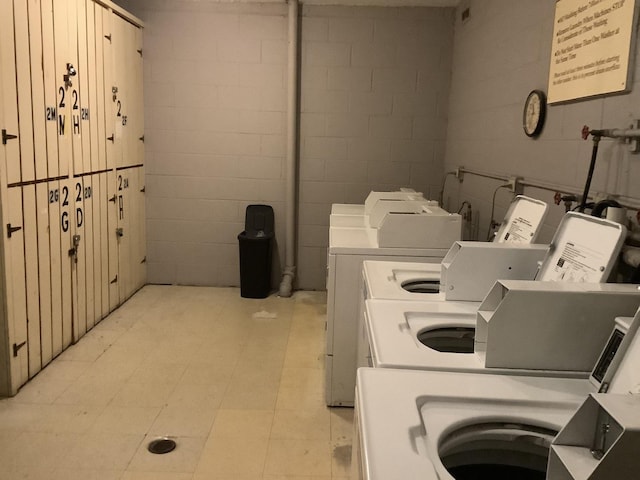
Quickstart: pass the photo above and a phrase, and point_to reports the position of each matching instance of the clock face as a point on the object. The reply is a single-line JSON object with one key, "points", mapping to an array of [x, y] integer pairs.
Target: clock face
{"points": [[534, 113]]}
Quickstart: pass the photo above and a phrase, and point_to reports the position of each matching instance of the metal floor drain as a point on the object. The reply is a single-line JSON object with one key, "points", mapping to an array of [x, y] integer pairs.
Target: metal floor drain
{"points": [[161, 446]]}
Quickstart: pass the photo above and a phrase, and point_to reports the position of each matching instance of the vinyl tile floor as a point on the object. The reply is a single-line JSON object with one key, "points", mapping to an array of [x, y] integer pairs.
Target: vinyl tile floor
{"points": [[238, 384]]}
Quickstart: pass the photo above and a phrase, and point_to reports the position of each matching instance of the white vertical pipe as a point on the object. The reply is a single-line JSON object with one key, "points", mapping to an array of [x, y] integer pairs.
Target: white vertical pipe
{"points": [[286, 285]]}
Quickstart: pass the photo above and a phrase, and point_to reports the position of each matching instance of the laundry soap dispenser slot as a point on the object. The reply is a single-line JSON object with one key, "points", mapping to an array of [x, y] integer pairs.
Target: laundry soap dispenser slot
{"points": [[600, 442]]}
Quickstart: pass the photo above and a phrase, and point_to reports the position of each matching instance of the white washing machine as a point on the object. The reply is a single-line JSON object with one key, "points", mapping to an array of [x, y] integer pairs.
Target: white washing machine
{"points": [[525, 325], [512, 254], [429, 425], [583, 249], [398, 233]]}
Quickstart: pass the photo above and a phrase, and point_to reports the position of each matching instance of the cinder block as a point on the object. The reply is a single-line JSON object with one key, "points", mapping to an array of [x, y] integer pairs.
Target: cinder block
{"points": [[313, 78], [346, 171], [313, 125], [371, 103], [314, 29], [239, 98], [215, 73], [273, 99], [312, 266], [350, 78], [198, 95], [261, 75], [165, 70], [347, 125], [432, 128], [415, 103], [239, 49], [370, 149], [326, 54], [159, 118], [263, 168], [312, 169], [222, 210], [374, 54], [321, 101], [274, 51], [395, 31], [390, 127], [264, 27], [315, 214], [161, 272], [414, 151], [321, 192], [325, 148], [271, 191], [389, 173], [350, 30], [273, 145], [159, 94], [264, 123], [396, 80]]}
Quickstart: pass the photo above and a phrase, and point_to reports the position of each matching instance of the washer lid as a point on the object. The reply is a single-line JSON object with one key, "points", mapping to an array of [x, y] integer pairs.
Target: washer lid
{"points": [[523, 221], [583, 249]]}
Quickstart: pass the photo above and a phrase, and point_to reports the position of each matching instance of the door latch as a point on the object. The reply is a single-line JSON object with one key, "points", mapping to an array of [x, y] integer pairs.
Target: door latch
{"points": [[7, 136], [17, 347], [11, 230], [73, 252], [120, 232]]}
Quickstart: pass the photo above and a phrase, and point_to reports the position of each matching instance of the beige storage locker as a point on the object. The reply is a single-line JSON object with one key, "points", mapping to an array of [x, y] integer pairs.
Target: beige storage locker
{"points": [[63, 147]]}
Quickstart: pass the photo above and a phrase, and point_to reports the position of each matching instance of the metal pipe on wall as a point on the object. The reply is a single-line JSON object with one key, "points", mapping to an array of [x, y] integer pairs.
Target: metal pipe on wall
{"points": [[286, 285]]}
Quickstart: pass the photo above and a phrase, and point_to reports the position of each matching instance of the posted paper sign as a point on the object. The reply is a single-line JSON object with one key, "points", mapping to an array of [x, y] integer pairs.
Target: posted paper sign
{"points": [[591, 46]]}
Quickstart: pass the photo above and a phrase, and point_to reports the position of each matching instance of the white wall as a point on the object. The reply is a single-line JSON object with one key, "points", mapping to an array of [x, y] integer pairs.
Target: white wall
{"points": [[375, 88], [500, 54], [374, 95]]}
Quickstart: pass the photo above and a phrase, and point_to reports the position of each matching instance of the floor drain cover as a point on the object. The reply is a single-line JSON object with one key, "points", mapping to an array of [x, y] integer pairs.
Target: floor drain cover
{"points": [[161, 445]]}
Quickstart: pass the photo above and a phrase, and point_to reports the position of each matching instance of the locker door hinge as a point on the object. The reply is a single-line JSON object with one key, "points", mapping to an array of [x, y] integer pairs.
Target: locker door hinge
{"points": [[11, 229], [140, 51], [114, 280], [111, 138], [120, 232], [141, 138], [108, 37], [7, 136], [144, 260], [17, 347], [143, 189], [113, 199]]}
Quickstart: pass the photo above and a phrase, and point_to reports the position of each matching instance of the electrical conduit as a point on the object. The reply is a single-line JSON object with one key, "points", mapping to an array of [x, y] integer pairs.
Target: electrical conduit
{"points": [[286, 285]]}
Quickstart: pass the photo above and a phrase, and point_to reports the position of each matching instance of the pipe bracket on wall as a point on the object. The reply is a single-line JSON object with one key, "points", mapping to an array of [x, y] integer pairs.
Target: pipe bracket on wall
{"points": [[11, 230], [7, 136], [17, 347]]}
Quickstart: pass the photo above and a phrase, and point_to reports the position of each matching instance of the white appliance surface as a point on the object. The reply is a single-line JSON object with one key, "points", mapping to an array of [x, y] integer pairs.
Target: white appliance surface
{"points": [[403, 414], [403, 417], [385, 280]]}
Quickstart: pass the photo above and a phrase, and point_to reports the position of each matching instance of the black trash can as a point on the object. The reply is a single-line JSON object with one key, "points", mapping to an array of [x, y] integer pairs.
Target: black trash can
{"points": [[256, 244]]}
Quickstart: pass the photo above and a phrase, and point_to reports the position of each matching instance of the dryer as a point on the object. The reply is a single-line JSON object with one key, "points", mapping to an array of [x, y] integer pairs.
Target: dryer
{"points": [[432, 425]]}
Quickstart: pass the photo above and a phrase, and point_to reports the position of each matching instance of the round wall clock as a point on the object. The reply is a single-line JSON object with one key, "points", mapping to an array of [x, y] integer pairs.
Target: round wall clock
{"points": [[535, 108]]}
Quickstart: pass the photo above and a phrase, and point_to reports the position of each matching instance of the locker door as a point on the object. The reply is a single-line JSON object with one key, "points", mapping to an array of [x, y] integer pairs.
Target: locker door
{"points": [[125, 234], [16, 290], [141, 258], [14, 369], [66, 220], [78, 260], [23, 81], [112, 239], [56, 260]]}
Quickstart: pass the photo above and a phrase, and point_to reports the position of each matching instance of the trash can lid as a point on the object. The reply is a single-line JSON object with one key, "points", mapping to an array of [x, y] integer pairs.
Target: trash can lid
{"points": [[258, 221]]}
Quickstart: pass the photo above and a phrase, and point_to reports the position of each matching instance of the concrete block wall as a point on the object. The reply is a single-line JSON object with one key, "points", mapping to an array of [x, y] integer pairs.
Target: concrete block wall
{"points": [[374, 99], [374, 94], [500, 54], [215, 103]]}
